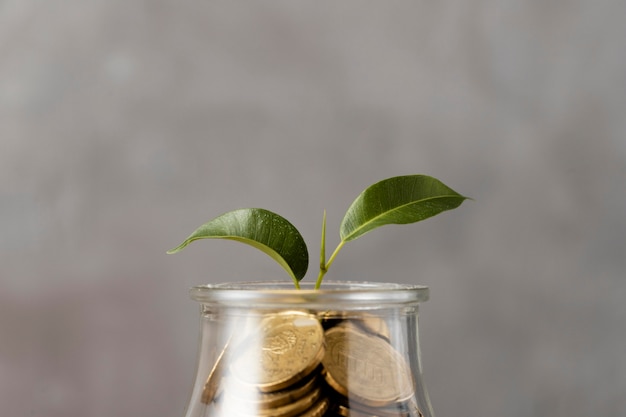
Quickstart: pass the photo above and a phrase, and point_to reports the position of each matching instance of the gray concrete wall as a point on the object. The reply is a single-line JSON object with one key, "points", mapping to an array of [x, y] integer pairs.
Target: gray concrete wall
{"points": [[126, 124]]}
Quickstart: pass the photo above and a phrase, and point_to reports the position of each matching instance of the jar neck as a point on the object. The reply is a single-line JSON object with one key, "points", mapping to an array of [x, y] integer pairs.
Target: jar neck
{"points": [[346, 295]]}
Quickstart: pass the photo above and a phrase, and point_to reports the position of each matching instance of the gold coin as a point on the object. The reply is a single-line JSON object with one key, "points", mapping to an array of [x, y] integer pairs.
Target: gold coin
{"points": [[318, 409], [366, 368], [290, 395], [296, 407], [354, 410], [359, 408], [342, 410], [331, 318], [374, 325], [345, 407], [234, 407], [286, 347], [367, 322], [345, 411], [267, 400], [212, 383]]}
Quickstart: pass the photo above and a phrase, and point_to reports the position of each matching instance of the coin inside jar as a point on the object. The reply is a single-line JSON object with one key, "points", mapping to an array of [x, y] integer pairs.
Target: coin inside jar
{"points": [[234, 407], [369, 323], [374, 325], [286, 347], [267, 400], [343, 406], [344, 411], [366, 368], [318, 409]]}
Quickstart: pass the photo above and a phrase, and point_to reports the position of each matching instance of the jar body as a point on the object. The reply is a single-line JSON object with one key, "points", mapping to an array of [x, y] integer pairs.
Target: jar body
{"points": [[349, 349]]}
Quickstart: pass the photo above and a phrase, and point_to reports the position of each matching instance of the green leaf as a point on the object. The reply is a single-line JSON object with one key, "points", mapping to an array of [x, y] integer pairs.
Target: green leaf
{"points": [[263, 230], [397, 200]]}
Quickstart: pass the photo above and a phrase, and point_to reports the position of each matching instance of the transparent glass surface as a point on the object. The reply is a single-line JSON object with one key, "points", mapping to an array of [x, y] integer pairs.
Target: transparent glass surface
{"points": [[348, 349]]}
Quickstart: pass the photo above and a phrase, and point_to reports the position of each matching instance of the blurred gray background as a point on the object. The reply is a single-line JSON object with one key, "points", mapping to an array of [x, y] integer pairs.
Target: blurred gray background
{"points": [[124, 125]]}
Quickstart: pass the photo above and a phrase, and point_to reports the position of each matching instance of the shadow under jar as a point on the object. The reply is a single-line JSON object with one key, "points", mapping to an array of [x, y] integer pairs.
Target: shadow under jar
{"points": [[347, 349]]}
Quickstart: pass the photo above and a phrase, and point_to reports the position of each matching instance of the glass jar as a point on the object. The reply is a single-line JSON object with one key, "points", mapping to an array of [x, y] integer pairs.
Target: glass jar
{"points": [[347, 349]]}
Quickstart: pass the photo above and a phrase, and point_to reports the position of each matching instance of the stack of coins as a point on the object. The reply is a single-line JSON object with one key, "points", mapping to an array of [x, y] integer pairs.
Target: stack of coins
{"points": [[296, 363]]}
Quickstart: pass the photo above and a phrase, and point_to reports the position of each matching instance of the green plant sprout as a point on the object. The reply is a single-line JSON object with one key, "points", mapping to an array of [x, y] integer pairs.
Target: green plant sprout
{"points": [[397, 200]]}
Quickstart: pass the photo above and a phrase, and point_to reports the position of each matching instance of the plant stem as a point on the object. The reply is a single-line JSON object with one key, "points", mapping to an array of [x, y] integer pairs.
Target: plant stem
{"points": [[323, 245], [324, 267]]}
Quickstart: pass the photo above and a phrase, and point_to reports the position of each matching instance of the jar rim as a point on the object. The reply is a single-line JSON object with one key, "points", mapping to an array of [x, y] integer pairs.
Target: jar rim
{"points": [[281, 293]]}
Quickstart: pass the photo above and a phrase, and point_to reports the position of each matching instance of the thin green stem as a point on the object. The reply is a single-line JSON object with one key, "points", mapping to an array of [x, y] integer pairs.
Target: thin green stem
{"points": [[326, 265], [334, 255], [323, 245]]}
